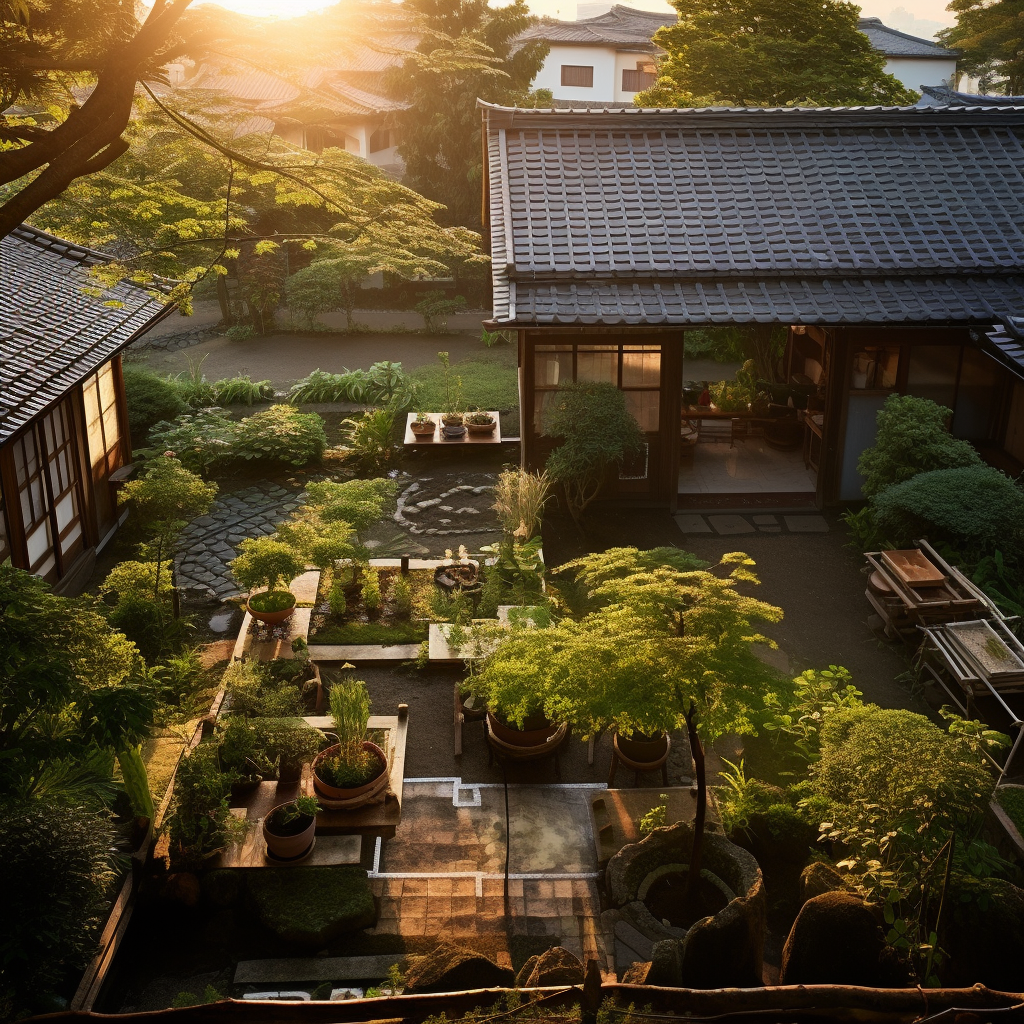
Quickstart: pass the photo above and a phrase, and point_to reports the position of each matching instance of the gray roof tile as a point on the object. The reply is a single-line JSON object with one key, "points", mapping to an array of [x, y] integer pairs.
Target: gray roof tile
{"points": [[894, 43], [884, 215], [53, 334]]}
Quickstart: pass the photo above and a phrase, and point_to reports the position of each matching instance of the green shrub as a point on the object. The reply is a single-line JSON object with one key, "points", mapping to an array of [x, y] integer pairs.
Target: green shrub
{"points": [[385, 383], [435, 310], [337, 600], [242, 390], [57, 870], [254, 691], [240, 332], [243, 747], [371, 439], [280, 434], [912, 438], [360, 503], [371, 589], [597, 432], [976, 509], [400, 597], [199, 440], [150, 398], [200, 811]]}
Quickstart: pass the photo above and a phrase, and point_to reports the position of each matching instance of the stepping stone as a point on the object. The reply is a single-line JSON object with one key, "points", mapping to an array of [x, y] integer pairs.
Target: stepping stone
{"points": [[806, 524], [726, 525], [690, 523], [770, 529], [765, 520], [634, 940]]}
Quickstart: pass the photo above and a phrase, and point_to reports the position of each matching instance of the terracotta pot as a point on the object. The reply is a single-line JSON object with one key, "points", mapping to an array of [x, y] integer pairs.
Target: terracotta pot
{"points": [[648, 750], [290, 846], [423, 429], [336, 792], [521, 737], [481, 429], [452, 419], [271, 618]]}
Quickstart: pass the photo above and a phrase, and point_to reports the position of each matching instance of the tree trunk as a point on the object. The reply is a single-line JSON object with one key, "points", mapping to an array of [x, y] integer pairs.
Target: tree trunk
{"points": [[697, 751]]}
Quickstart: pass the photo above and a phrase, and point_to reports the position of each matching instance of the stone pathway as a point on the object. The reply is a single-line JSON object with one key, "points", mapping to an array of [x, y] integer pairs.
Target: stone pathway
{"points": [[211, 541], [442, 874], [753, 522]]}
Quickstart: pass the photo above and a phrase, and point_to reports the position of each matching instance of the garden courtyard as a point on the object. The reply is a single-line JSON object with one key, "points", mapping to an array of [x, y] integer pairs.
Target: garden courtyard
{"points": [[414, 715]]}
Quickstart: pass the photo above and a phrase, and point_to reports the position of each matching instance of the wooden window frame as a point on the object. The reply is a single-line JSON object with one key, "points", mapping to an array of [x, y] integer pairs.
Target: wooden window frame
{"points": [[585, 73]]}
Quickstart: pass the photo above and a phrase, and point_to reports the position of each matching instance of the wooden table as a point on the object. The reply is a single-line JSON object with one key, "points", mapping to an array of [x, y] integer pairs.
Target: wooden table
{"points": [[438, 439], [370, 822]]}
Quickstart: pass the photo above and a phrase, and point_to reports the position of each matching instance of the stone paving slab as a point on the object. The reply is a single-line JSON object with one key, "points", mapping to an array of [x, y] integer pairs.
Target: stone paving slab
{"points": [[729, 525], [806, 524], [691, 523], [211, 541]]}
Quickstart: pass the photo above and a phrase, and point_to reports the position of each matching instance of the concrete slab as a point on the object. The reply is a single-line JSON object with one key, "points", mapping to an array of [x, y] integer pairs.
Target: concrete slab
{"points": [[304, 586], [770, 529], [691, 523], [363, 652], [297, 625], [765, 520], [294, 970], [728, 525], [806, 524]]}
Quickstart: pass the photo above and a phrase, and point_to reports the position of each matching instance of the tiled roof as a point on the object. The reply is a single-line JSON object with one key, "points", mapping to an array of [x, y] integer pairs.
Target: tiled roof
{"points": [[52, 334], [899, 44], [1006, 344], [941, 96], [907, 215], [619, 26]]}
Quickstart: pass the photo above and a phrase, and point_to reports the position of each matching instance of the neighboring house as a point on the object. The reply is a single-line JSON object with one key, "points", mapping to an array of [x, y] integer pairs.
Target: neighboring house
{"points": [[888, 244], [63, 419], [342, 107], [610, 58], [915, 62]]}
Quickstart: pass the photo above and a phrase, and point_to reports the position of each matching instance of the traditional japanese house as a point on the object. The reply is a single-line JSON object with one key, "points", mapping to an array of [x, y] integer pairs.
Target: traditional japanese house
{"points": [[63, 421], [888, 245]]}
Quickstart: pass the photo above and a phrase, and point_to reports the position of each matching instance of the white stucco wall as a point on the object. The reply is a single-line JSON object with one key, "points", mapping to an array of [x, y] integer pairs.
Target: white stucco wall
{"points": [[601, 59], [627, 61], [914, 72]]}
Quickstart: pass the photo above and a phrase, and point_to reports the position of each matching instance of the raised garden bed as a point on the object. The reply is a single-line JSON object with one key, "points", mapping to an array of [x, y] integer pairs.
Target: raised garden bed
{"points": [[356, 626]]}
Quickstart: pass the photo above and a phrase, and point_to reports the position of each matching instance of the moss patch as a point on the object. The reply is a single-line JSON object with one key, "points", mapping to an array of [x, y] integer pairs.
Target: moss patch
{"points": [[312, 906]]}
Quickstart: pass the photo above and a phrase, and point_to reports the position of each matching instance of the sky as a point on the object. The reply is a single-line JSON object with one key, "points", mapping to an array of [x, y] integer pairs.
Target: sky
{"points": [[919, 17]]}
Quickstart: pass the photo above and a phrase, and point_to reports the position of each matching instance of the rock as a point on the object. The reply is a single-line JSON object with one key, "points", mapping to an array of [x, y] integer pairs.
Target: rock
{"points": [[451, 968], [835, 940], [183, 887], [311, 906], [726, 950], [818, 878], [639, 943], [984, 936], [555, 966], [637, 974], [666, 964]]}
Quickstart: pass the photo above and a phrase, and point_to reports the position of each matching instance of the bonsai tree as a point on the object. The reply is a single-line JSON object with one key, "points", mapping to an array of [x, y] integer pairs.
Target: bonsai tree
{"points": [[597, 433], [267, 562], [664, 649]]}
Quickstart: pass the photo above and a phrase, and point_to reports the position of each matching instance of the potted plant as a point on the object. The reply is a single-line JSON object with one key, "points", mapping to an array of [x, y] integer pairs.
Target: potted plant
{"points": [[243, 756], [423, 425], [451, 415], [290, 828], [267, 562], [291, 743], [480, 424], [353, 769]]}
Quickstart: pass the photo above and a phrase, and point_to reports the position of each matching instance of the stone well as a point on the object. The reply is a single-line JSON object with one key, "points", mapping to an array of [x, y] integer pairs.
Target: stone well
{"points": [[716, 952]]}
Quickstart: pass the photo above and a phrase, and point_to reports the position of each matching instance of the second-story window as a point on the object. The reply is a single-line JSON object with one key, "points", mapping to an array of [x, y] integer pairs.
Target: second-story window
{"points": [[642, 78], [579, 75]]}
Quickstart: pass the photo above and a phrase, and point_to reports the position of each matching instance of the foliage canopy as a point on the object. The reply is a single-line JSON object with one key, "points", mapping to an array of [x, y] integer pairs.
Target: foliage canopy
{"points": [[774, 53]]}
